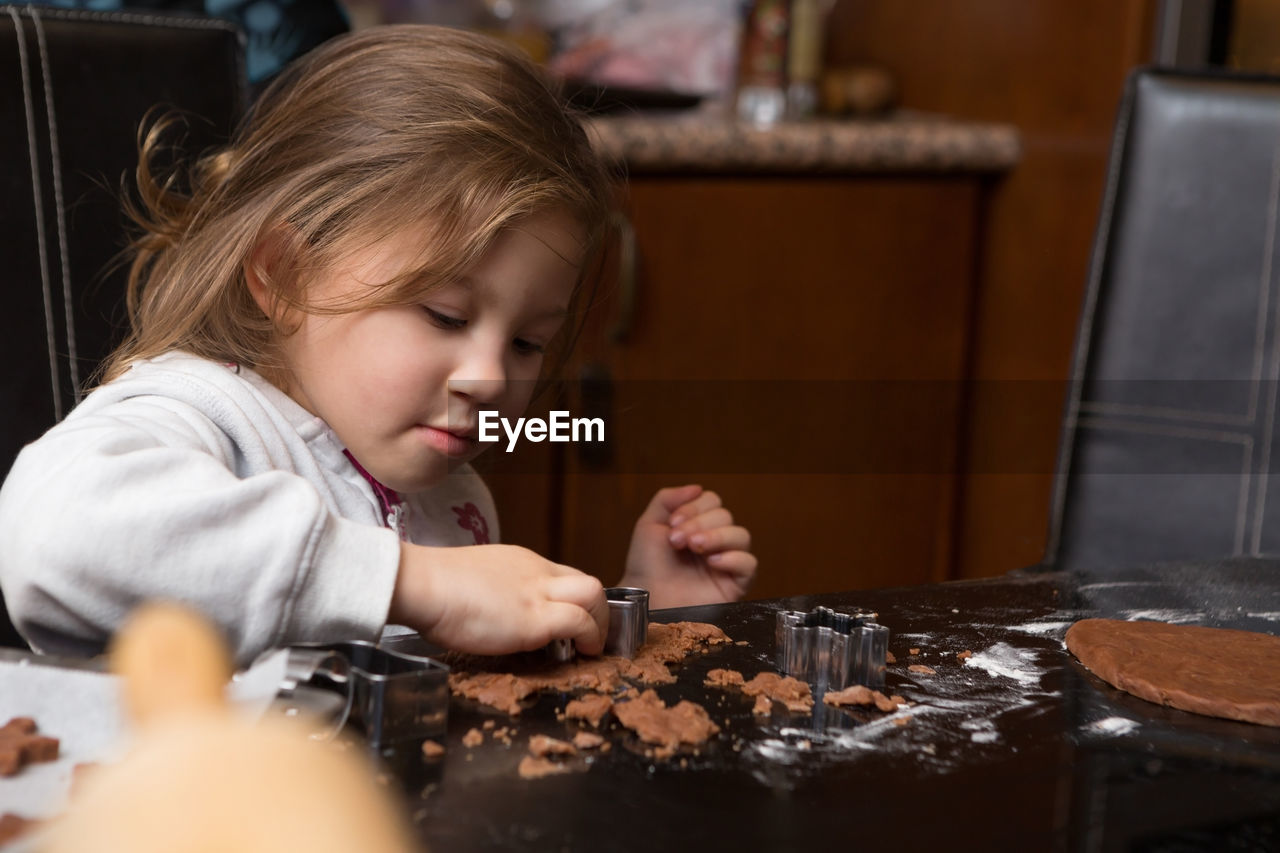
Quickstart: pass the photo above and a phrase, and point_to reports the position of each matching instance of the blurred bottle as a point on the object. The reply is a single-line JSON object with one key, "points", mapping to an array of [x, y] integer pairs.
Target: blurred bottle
{"points": [[804, 55], [762, 65], [516, 21]]}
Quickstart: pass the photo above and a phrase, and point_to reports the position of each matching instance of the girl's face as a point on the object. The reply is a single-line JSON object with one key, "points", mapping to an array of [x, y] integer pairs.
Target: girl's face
{"points": [[402, 386]]}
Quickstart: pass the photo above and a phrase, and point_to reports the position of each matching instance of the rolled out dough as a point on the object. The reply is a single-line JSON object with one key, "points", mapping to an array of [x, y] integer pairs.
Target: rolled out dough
{"points": [[1214, 671]]}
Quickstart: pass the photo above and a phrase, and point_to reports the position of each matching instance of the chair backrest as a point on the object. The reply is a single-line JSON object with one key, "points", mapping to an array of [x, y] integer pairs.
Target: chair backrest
{"points": [[77, 85], [1169, 431]]}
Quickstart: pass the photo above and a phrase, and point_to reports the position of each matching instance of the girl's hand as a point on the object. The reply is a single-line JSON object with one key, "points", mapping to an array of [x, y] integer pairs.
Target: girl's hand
{"points": [[686, 550], [497, 599]]}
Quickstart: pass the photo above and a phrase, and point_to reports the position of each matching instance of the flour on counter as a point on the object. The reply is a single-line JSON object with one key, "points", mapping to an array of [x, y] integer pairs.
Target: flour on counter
{"points": [[1272, 616], [1176, 617], [1112, 726], [1114, 584], [954, 715], [1008, 661], [981, 730], [1042, 629]]}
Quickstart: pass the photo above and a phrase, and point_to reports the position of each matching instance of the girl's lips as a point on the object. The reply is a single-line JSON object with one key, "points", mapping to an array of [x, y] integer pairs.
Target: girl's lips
{"points": [[448, 443]]}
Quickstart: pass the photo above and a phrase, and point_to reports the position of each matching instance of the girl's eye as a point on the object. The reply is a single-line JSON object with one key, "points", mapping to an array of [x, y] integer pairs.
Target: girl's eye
{"points": [[445, 321], [528, 347]]}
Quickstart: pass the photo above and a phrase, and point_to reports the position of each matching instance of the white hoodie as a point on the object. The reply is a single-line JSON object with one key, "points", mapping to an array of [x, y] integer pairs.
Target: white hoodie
{"points": [[193, 481]]}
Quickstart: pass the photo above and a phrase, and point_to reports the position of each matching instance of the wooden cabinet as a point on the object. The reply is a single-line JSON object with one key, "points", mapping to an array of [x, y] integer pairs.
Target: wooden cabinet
{"points": [[798, 344]]}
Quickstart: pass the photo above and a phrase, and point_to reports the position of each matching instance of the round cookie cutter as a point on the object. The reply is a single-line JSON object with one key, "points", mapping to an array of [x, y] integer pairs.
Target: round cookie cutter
{"points": [[628, 625]]}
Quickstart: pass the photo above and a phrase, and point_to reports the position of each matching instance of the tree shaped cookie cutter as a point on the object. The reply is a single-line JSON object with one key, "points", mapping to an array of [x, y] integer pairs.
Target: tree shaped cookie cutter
{"points": [[832, 650]]}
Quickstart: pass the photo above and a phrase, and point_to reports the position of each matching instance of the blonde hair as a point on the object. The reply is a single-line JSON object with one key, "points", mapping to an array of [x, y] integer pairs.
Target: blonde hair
{"points": [[375, 130]]}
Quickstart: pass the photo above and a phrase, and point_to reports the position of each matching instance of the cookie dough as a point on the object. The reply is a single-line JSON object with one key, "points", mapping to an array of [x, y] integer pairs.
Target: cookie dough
{"points": [[1213, 671], [588, 740], [545, 746], [766, 687], [533, 767], [590, 708], [860, 695], [503, 682], [14, 825], [20, 746], [724, 678], [667, 728]]}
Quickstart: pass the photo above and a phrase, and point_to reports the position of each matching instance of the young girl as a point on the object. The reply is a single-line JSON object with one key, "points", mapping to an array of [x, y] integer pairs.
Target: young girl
{"points": [[392, 243]]}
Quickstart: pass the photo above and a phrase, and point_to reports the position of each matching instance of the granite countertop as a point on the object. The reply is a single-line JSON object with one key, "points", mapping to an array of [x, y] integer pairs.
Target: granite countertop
{"points": [[708, 143]]}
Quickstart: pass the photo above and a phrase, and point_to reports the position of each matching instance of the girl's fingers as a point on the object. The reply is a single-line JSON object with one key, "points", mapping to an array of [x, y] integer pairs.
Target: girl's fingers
{"points": [[740, 564], [703, 503], [728, 538], [573, 622], [584, 592], [718, 517], [669, 500]]}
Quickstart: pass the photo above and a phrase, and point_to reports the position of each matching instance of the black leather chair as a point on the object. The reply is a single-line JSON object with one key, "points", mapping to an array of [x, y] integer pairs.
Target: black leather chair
{"points": [[1168, 447], [76, 85]]}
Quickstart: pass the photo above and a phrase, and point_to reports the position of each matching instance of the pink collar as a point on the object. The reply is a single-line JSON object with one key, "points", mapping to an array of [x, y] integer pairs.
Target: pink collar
{"points": [[387, 498]]}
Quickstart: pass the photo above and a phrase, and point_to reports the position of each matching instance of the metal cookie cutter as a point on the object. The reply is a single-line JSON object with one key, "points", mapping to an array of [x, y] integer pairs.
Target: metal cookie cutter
{"points": [[392, 696], [830, 649], [628, 625]]}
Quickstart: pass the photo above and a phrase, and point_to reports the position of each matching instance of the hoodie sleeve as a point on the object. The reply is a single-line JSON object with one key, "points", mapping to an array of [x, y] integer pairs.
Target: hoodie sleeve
{"points": [[140, 500]]}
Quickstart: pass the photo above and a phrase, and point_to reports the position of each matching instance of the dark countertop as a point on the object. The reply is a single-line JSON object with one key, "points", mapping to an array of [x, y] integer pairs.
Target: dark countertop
{"points": [[709, 143], [1019, 748]]}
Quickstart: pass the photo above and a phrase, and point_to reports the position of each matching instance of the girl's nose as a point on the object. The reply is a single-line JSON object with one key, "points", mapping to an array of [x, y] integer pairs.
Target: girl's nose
{"points": [[481, 375]]}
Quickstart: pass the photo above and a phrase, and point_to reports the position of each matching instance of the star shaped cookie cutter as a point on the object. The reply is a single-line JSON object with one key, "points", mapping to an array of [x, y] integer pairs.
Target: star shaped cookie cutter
{"points": [[832, 650]]}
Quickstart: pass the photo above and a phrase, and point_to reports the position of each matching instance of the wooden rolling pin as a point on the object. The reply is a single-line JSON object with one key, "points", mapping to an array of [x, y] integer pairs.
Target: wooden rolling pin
{"points": [[200, 778]]}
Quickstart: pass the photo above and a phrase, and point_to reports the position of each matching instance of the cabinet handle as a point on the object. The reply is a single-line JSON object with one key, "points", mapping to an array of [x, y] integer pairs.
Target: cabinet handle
{"points": [[627, 277]]}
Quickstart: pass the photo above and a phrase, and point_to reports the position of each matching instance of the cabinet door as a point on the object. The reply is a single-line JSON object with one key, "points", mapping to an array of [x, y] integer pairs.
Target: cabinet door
{"points": [[796, 345]]}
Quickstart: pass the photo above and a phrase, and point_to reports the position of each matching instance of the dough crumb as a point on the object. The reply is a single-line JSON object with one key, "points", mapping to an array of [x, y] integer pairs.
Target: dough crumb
{"points": [[20, 746], [857, 694], [14, 825], [913, 652], [763, 706], [533, 767], [724, 678], [792, 692], [488, 725], [964, 655], [544, 745], [588, 740], [590, 708], [432, 751], [860, 695], [473, 738], [884, 703], [667, 728], [921, 668], [890, 658]]}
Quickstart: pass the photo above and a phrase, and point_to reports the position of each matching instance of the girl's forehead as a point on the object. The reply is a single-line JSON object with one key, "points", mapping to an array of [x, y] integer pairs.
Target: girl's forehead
{"points": [[560, 232]]}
